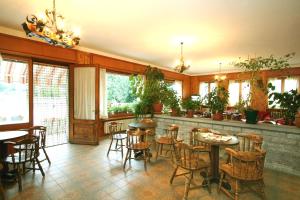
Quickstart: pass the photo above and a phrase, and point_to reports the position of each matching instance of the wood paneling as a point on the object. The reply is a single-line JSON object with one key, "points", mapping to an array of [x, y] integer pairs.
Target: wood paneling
{"points": [[83, 57], [25, 47], [84, 133]]}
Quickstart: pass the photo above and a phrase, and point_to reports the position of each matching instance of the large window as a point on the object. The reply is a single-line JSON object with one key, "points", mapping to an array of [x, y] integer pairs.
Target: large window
{"points": [[284, 85], [14, 92], [177, 87], [238, 90], [205, 88], [118, 92]]}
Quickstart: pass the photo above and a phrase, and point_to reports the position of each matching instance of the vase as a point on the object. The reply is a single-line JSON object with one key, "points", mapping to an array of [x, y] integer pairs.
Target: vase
{"points": [[218, 116], [251, 116], [157, 108], [297, 120]]}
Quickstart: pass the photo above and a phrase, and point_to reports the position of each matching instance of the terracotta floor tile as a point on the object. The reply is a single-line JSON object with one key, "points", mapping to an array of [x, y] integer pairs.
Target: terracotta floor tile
{"points": [[85, 172]]}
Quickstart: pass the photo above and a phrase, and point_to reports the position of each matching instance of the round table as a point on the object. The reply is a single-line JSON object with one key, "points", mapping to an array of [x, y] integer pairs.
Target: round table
{"points": [[142, 125], [215, 147], [6, 136]]}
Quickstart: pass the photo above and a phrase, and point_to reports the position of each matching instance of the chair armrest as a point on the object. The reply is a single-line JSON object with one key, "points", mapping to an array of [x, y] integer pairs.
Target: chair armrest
{"points": [[10, 142]]}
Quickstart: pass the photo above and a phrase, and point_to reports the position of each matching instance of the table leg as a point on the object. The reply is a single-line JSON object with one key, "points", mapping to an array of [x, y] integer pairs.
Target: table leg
{"points": [[215, 164]]}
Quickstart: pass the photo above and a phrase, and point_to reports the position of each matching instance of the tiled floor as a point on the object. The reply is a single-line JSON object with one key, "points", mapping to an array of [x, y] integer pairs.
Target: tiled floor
{"points": [[84, 172]]}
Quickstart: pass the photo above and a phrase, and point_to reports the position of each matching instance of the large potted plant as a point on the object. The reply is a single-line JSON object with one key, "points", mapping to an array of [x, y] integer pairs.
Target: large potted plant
{"points": [[217, 102], [254, 66], [149, 91], [170, 100], [288, 101], [190, 105]]}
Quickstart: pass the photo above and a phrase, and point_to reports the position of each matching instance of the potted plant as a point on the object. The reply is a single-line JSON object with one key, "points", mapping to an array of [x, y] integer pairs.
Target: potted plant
{"points": [[190, 105], [254, 66], [170, 100], [217, 102], [288, 101], [149, 91]]}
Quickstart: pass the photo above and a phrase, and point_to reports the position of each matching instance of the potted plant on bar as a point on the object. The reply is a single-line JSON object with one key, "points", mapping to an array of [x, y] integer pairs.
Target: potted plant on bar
{"points": [[254, 66], [288, 101], [171, 101], [190, 105], [217, 102]]}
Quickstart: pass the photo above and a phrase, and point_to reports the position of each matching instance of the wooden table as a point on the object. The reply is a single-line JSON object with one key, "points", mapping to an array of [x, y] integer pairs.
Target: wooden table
{"points": [[6, 136], [215, 147], [142, 125]]}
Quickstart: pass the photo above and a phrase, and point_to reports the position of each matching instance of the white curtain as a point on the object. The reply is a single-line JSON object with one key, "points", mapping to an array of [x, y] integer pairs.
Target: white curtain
{"points": [[84, 93], [103, 98]]}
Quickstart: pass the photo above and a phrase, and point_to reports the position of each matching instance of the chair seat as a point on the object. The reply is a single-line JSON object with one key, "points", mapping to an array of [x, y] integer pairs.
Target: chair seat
{"points": [[120, 136], [139, 146], [164, 140], [18, 159], [193, 164]]}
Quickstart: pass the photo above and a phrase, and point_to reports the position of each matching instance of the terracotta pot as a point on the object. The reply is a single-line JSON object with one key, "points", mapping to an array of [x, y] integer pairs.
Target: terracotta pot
{"points": [[218, 116], [174, 112], [157, 108], [297, 120], [189, 113]]}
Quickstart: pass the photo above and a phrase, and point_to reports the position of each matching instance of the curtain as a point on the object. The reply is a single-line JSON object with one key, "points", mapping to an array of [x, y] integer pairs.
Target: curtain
{"points": [[103, 98], [84, 93]]}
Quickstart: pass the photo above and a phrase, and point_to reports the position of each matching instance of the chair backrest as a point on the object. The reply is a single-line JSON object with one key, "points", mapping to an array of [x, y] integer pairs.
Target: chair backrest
{"points": [[248, 142], [247, 165], [136, 137], [172, 131], [26, 150], [115, 127], [193, 137], [39, 132], [187, 157]]}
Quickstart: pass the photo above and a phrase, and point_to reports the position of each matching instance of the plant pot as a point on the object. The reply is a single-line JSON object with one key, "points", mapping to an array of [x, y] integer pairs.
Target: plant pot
{"points": [[218, 116], [189, 113], [251, 116], [297, 120], [157, 108], [174, 112]]}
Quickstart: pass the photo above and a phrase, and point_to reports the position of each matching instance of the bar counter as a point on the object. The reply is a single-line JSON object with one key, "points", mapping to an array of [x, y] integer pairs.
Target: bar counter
{"points": [[282, 143]]}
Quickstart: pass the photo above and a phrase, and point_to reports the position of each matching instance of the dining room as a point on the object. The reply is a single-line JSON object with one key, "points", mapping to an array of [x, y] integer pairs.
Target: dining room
{"points": [[149, 100]]}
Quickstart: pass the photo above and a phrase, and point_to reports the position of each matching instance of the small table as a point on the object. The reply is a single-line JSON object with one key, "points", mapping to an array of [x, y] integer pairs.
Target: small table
{"points": [[6, 136], [215, 146], [142, 125]]}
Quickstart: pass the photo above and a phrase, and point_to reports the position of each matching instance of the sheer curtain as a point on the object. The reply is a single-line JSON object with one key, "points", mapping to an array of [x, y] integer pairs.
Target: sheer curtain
{"points": [[103, 98], [84, 93]]}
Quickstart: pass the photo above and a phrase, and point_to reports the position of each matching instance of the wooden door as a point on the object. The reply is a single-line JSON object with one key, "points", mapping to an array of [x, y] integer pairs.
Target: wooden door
{"points": [[84, 104]]}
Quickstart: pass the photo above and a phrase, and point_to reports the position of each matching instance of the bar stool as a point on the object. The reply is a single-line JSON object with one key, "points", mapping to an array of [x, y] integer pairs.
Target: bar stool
{"points": [[117, 134]]}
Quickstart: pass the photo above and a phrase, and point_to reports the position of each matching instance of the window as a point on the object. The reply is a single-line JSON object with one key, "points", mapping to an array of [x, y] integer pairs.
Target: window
{"points": [[284, 85], [118, 92], [177, 87], [14, 92], [205, 88], [238, 90]]}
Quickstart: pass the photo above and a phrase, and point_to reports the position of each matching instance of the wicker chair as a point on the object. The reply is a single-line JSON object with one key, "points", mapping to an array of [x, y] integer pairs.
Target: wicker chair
{"points": [[26, 152], [117, 134], [190, 159], [244, 168], [170, 134], [137, 141]]}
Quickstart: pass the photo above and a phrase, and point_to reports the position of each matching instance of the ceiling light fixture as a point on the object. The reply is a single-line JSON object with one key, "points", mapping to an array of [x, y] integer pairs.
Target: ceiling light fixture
{"points": [[50, 27], [220, 77], [181, 66]]}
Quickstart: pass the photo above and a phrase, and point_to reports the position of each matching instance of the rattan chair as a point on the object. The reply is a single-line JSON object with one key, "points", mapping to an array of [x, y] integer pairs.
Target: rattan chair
{"points": [[117, 135], [190, 159], [245, 168], [137, 141], [25, 155], [167, 139]]}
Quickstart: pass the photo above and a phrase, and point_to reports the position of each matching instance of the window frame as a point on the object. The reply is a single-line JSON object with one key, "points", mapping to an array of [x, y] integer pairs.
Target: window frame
{"points": [[7, 127], [240, 82]]}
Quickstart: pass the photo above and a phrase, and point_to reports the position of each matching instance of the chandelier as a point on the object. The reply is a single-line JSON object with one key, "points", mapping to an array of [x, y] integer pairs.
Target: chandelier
{"points": [[50, 27], [181, 66], [220, 77]]}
